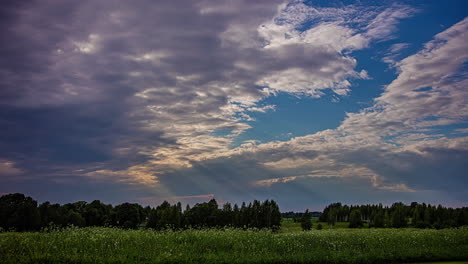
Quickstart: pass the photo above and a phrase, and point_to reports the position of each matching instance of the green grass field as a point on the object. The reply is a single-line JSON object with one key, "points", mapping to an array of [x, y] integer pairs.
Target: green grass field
{"points": [[109, 245]]}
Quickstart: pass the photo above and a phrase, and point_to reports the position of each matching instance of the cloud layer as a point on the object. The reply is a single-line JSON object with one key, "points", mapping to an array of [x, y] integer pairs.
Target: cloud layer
{"points": [[154, 96]]}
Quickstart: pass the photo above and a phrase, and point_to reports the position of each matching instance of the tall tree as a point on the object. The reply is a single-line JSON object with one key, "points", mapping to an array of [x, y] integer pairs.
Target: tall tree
{"points": [[275, 216], [377, 219], [355, 219], [398, 217], [332, 214], [306, 221]]}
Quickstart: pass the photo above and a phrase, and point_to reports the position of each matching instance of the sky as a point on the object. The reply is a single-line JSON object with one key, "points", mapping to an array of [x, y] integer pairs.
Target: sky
{"points": [[306, 103]]}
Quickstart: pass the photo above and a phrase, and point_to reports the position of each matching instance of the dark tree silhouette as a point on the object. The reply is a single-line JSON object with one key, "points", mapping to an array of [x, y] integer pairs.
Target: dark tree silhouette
{"points": [[306, 221], [355, 219], [19, 212], [398, 215], [127, 215]]}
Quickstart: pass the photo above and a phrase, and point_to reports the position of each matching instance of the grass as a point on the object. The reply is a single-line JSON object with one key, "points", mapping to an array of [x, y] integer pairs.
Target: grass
{"points": [[444, 262], [110, 245]]}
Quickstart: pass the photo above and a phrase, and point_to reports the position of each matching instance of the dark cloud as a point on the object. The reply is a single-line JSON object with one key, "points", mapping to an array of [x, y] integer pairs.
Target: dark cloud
{"points": [[72, 135]]}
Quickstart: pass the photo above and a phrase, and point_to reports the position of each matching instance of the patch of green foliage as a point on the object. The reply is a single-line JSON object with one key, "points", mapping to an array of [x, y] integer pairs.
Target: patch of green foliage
{"points": [[112, 245]]}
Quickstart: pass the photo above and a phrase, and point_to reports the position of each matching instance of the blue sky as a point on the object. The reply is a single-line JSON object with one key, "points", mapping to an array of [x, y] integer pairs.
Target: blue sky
{"points": [[307, 103], [302, 115]]}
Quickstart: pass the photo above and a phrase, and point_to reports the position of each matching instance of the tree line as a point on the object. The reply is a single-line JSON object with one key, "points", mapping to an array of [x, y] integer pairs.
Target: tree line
{"points": [[396, 216], [21, 213]]}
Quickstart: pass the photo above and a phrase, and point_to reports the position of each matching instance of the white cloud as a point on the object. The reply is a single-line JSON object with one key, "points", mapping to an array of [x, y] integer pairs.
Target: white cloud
{"points": [[461, 130], [152, 56], [393, 52], [351, 172], [404, 106], [324, 46], [383, 26], [262, 109], [88, 47]]}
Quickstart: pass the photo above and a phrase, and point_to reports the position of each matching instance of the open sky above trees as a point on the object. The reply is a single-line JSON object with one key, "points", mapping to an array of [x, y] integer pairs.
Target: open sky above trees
{"points": [[306, 103]]}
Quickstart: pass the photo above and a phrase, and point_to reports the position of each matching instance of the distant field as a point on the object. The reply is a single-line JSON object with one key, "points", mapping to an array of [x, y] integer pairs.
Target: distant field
{"points": [[108, 245], [288, 225]]}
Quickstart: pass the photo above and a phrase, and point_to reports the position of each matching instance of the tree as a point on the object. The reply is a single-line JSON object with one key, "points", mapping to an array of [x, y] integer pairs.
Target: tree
{"points": [[226, 217], [255, 214], [19, 212], [332, 217], [377, 219], [398, 217], [52, 214], [127, 215], [236, 217], [78, 207], [387, 220], [244, 216], [203, 215], [275, 216], [74, 218], [330, 213], [306, 221], [355, 219], [428, 220], [177, 214], [97, 213], [416, 219], [163, 217], [152, 219], [212, 213], [185, 216], [264, 218]]}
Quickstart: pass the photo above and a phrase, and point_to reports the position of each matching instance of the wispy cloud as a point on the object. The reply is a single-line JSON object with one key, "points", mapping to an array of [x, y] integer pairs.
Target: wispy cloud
{"points": [[394, 52], [8, 168]]}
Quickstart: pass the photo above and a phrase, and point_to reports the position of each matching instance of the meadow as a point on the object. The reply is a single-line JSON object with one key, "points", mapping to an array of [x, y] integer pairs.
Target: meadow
{"points": [[337, 245]]}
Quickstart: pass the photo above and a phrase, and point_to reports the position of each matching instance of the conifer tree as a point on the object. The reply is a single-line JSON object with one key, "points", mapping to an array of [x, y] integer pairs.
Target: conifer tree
{"points": [[306, 221], [355, 219]]}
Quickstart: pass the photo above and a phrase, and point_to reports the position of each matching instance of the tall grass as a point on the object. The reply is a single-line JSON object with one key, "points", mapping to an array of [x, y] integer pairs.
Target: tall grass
{"points": [[109, 245]]}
